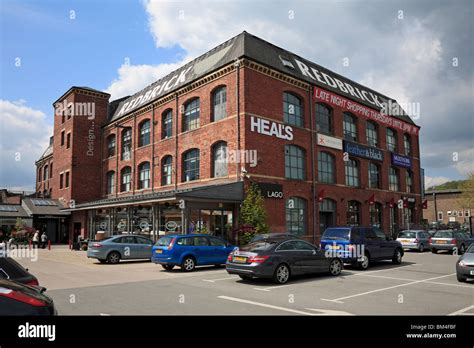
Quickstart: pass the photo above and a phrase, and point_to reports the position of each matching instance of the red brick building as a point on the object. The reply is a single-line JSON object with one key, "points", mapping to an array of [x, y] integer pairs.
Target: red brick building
{"points": [[178, 155]]}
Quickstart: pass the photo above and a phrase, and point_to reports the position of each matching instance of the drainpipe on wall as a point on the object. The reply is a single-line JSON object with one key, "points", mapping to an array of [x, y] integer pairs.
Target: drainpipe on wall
{"points": [[176, 143], [117, 174], [134, 143], [237, 101], [313, 173], [153, 149]]}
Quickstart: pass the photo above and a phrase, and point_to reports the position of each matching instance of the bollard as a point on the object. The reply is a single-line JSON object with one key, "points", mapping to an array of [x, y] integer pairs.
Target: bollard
{"points": [[70, 246], [29, 244], [49, 245]]}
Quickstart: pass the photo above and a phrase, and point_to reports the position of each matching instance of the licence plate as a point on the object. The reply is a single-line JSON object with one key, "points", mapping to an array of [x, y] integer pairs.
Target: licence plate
{"points": [[159, 251], [405, 241], [240, 259], [334, 247], [472, 272], [441, 242]]}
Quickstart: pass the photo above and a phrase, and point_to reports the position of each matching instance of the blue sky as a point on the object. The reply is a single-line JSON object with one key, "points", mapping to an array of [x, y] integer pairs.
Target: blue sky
{"points": [[407, 57]]}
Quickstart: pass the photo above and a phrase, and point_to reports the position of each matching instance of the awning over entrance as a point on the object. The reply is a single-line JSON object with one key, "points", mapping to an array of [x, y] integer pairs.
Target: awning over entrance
{"points": [[51, 208], [225, 193]]}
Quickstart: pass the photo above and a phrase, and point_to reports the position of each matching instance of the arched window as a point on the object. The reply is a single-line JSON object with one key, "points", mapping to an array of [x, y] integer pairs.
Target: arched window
{"points": [[110, 182], [144, 175], [393, 182], [295, 162], [326, 168], [126, 143], [167, 124], [391, 140], [296, 213], [353, 213], [407, 144], [191, 165], [191, 115], [372, 134], [352, 172], [219, 159], [46, 172], [324, 122], [166, 170], [111, 143], [219, 103], [40, 170], [144, 133], [350, 127], [374, 175], [409, 181], [292, 109], [126, 179], [375, 212]]}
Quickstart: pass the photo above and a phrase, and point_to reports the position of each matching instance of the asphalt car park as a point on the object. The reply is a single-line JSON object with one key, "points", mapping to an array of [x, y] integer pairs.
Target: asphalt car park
{"points": [[424, 283]]}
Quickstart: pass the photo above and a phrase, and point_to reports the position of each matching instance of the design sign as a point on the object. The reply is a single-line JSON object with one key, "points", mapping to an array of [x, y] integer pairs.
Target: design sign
{"points": [[401, 161], [363, 151]]}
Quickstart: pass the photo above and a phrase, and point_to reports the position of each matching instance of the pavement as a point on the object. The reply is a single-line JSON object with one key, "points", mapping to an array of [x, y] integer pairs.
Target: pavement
{"points": [[424, 284]]}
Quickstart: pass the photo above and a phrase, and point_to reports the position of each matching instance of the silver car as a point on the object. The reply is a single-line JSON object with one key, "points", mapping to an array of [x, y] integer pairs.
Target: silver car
{"points": [[121, 247], [414, 239], [465, 265], [453, 241]]}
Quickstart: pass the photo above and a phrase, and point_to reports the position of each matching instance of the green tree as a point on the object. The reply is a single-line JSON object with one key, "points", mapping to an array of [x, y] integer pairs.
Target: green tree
{"points": [[466, 201], [253, 215]]}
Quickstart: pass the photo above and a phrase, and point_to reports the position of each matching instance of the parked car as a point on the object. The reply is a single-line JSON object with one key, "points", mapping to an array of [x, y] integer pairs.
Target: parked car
{"points": [[190, 250], [465, 265], [281, 258], [414, 239], [261, 236], [120, 247], [19, 299], [453, 225], [12, 270], [362, 245], [451, 241]]}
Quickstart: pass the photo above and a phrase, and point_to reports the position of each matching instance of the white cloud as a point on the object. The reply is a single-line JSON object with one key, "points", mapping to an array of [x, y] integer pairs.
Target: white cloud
{"points": [[24, 134], [434, 181], [465, 163]]}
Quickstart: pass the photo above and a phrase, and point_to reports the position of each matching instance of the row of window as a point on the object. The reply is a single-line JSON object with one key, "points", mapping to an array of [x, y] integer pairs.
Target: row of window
{"points": [[66, 139], [191, 116], [45, 173], [64, 180], [190, 166]]}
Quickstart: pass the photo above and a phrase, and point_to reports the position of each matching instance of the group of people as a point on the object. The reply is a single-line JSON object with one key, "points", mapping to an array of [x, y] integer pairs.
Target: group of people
{"points": [[40, 241]]}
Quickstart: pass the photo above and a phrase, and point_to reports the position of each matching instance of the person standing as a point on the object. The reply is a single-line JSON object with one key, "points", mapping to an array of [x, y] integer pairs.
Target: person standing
{"points": [[44, 240], [36, 239]]}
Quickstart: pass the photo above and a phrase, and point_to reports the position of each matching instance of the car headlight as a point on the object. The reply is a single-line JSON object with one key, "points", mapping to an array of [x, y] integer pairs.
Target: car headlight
{"points": [[462, 263]]}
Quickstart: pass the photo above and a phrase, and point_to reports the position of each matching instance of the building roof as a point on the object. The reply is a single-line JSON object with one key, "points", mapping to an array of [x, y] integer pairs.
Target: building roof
{"points": [[46, 153], [12, 211], [83, 88], [42, 206], [240, 46]]}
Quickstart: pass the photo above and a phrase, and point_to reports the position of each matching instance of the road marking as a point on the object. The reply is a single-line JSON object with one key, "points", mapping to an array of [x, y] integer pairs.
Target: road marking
{"points": [[105, 314], [463, 311], [215, 280], [338, 300], [274, 287], [383, 277], [410, 280], [383, 270], [265, 305], [329, 311]]}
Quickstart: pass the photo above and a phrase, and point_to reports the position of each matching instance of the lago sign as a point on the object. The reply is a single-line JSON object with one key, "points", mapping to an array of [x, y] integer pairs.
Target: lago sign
{"points": [[271, 190], [363, 151]]}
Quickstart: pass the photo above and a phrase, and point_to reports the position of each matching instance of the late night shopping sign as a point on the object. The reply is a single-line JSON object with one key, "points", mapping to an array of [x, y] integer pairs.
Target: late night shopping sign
{"points": [[360, 110]]}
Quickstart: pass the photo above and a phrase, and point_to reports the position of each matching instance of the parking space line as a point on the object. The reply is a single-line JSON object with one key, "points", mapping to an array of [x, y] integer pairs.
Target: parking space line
{"points": [[264, 305], [328, 311], [339, 300], [215, 280], [463, 311], [383, 270], [274, 287]]}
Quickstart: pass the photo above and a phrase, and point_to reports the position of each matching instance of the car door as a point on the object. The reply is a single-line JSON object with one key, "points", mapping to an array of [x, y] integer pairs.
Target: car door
{"points": [[372, 243], [312, 259], [219, 251], [202, 249], [144, 246], [287, 253], [386, 247]]}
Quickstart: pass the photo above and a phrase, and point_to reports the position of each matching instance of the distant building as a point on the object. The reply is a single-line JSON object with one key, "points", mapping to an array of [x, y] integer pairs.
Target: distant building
{"points": [[449, 207]]}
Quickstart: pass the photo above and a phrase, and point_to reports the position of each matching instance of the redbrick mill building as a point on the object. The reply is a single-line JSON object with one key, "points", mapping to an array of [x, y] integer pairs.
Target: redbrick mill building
{"points": [[178, 155]]}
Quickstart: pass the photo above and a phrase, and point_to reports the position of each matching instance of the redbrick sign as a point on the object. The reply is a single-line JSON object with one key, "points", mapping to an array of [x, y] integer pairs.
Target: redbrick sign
{"points": [[361, 110]]}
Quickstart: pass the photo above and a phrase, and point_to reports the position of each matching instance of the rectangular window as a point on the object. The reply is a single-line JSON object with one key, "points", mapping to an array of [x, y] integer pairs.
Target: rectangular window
{"points": [[407, 144], [61, 180], [391, 140], [167, 125], [374, 175], [440, 216], [350, 127], [352, 173], [372, 135], [191, 115], [393, 179], [324, 119], [67, 179], [294, 162], [409, 181], [326, 168], [68, 140], [62, 138]]}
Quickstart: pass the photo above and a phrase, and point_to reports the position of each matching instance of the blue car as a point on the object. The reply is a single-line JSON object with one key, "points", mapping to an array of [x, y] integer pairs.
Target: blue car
{"points": [[190, 250], [360, 245]]}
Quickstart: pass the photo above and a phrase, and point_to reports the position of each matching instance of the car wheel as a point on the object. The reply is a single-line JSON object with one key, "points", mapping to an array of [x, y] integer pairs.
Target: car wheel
{"points": [[397, 257], [188, 264], [168, 267], [335, 267], [102, 261], [364, 263], [462, 249], [113, 257], [421, 248], [282, 274], [461, 279], [434, 251]]}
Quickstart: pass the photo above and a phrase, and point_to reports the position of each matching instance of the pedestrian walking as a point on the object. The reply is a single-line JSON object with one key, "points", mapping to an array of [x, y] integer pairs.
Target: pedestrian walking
{"points": [[36, 239], [44, 240]]}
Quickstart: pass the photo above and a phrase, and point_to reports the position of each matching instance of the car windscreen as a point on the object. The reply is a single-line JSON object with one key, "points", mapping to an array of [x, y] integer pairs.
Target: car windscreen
{"points": [[470, 250], [336, 233], [443, 234], [407, 234], [164, 241], [258, 246]]}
